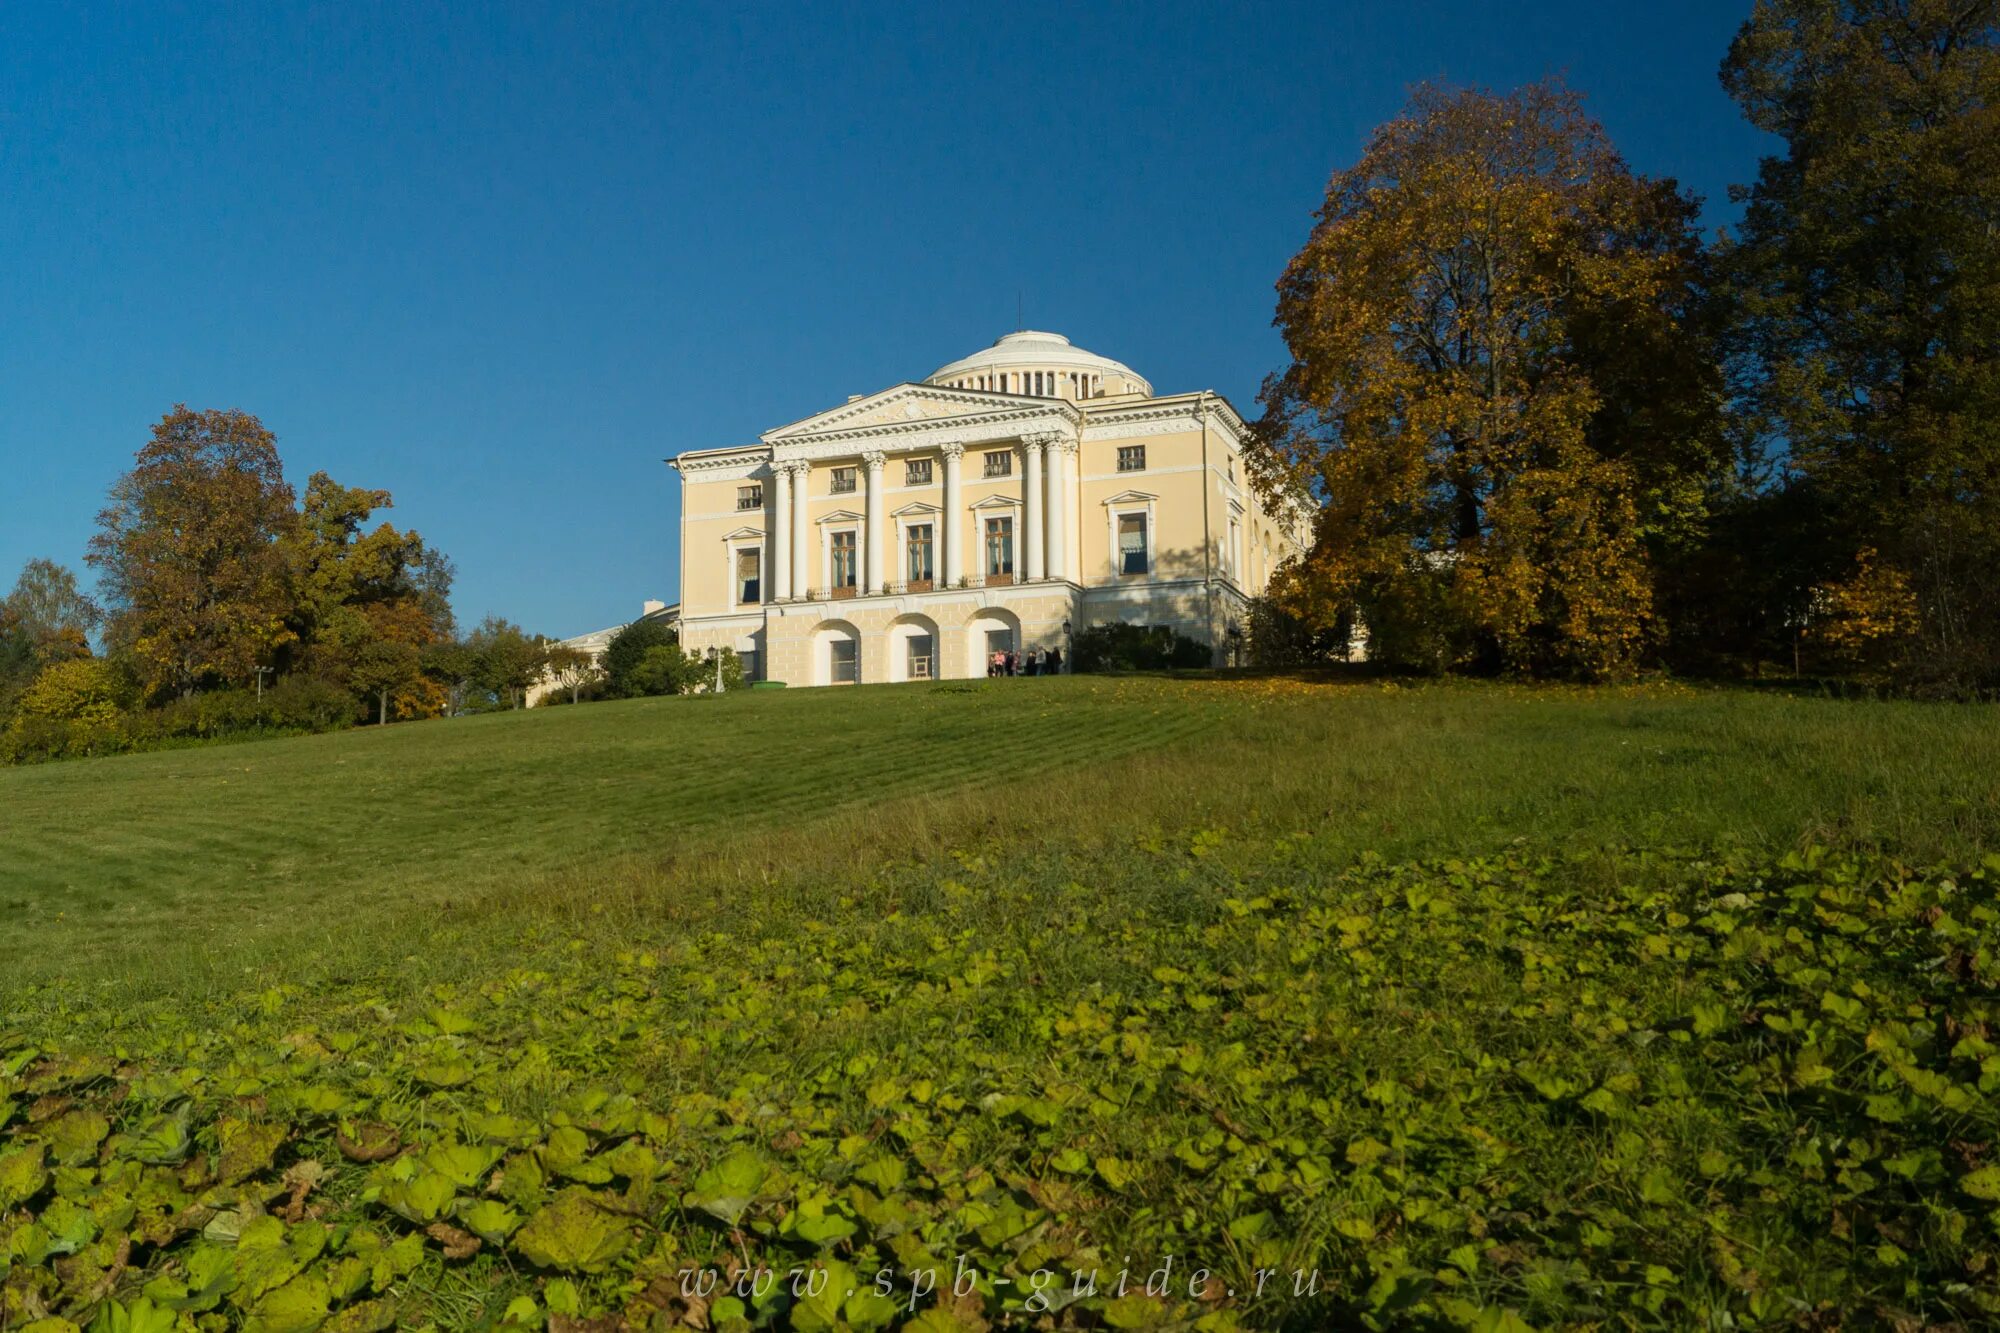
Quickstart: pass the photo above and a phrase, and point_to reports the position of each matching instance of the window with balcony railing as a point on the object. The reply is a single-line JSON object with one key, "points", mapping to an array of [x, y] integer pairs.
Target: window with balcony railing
{"points": [[1131, 458], [1000, 463], [917, 472], [750, 497], [843, 481]]}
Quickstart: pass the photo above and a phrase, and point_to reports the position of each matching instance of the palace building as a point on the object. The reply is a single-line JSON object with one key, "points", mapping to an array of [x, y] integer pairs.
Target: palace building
{"points": [[1009, 499]]}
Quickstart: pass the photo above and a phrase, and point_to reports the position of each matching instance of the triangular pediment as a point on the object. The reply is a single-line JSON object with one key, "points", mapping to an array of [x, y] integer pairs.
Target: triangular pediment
{"points": [[1130, 497], [741, 533], [840, 516], [997, 502], [914, 508], [907, 403]]}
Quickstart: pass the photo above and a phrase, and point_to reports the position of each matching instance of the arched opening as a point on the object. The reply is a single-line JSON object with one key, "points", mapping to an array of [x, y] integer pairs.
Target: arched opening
{"points": [[836, 654], [992, 630], [914, 648]]}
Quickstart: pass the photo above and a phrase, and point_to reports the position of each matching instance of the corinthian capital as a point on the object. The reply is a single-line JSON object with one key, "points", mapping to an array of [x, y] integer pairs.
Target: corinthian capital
{"points": [[953, 449], [1042, 439], [875, 460]]}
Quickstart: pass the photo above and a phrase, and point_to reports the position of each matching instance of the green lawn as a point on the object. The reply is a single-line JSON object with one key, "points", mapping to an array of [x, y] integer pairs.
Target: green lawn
{"points": [[1623, 1008], [158, 865]]}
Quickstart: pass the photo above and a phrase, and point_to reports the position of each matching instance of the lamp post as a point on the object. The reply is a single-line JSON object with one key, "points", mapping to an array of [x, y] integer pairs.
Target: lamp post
{"points": [[261, 672], [1069, 646], [1235, 633]]}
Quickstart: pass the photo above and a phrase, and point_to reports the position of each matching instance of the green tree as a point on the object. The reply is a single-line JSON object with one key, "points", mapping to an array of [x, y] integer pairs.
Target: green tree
{"points": [[1498, 393], [627, 649], [89, 690], [381, 667], [51, 616], [1867, 276], [508, 660], [572, 669], [188, 552]]}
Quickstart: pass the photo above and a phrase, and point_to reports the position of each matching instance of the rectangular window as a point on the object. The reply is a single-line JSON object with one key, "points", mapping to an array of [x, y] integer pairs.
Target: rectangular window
{"points": [[843, 481], [1131, 543], [1000, 463], [748, 657], [1131, 458], [922, 661], [917, 472], [919, 549], [751, 496], [845, 666], [843, 559], [749, 574], [999, 546]]}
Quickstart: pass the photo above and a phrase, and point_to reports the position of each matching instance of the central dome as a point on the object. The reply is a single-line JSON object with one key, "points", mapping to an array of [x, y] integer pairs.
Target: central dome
{"points": [[1043, 365]]}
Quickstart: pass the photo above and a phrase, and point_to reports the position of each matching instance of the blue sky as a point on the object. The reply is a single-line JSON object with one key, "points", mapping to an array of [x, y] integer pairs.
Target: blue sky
{"points": [[501, 260]]}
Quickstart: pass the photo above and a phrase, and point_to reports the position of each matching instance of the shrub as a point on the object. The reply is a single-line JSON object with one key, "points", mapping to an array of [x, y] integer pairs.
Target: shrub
{"points": [[1122, 647], [88, 689], [627, 650]]}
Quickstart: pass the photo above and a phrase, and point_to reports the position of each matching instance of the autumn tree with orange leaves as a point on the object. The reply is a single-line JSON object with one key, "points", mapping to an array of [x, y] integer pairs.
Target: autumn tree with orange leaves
{"points": [[1500, 396], [187, 553]]}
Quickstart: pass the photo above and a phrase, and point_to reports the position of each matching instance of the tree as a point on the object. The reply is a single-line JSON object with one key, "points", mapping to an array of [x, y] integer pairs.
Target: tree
{"points": [[1867, 272], [1499, 393], [627, 649], [571, 669], [381, 667], [53, 617], [187, 551], [454, 666], [509, 661], [87, 690]]}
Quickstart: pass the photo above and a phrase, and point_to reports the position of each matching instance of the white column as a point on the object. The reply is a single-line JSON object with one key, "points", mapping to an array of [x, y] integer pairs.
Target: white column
{"points": [[1032, 446], [951, 523], [877, 540], [801, 531], [781, 533], [1073, 496], [1058, 509]]}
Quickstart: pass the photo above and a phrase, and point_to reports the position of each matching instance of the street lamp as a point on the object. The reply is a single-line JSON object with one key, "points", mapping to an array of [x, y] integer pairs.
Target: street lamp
{"points": [[1069, 646]]}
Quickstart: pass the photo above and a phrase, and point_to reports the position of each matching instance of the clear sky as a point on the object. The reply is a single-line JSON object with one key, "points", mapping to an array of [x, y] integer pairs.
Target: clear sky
{"points": [[503, 259]]}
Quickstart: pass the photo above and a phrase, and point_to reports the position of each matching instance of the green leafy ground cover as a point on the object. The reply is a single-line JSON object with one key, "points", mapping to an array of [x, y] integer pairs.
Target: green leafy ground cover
{"points": [[1508, 1071]]}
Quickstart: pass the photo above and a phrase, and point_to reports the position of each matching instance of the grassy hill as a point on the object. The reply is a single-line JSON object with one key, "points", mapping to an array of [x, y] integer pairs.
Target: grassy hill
{"points": [[1482, 1003]]}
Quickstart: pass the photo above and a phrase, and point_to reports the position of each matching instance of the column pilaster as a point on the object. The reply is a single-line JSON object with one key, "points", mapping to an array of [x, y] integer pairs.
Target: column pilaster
{"points": [[1060, 454], [801, 530], [951, 525], [781, 533], [1032, 446], [874, 462]]}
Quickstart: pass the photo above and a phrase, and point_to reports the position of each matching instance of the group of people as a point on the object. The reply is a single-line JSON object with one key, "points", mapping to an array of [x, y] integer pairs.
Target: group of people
{"points": [[1034, 662]]}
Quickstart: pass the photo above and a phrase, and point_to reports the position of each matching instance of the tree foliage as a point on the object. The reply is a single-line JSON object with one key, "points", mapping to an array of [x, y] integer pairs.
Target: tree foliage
{"points": [[1498, 392], [1867, 281], [188, 552], [47, 617], [627, 649]]}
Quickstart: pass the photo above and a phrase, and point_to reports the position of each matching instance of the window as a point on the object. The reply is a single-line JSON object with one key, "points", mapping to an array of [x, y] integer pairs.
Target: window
{"points": [[999, 546], [749, 574], [843, 559], [843, 480], [1231, 461], [844, 662], [918, 545], [922, 661], [1131, 458], [1000, 463], [1131, 543], [748, 657], [917, 472], [1235, 548], [751, 496]]}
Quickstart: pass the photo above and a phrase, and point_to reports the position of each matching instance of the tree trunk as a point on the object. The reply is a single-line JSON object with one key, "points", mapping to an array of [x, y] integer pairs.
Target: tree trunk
{"points": [[382, 718]]}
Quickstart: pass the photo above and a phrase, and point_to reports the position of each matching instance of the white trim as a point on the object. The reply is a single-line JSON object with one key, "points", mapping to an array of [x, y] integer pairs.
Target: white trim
{"points": [[829, 526], [1132, 502], [736, 545], [839, 516], [913, 517]]}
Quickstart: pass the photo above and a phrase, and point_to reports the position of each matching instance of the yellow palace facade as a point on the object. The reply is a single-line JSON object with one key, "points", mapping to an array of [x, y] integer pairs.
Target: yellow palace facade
{"points": [[1000, 504]]}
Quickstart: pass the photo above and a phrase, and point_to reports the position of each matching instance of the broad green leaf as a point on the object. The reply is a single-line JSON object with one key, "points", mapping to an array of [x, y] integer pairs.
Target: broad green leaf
{"points": [[22, 1175], [727, 1189], [572, 1235]]}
